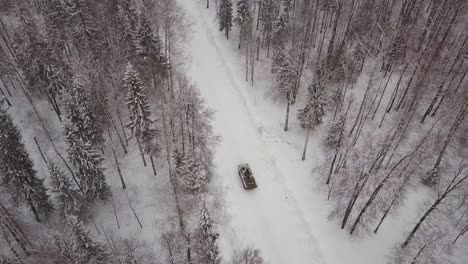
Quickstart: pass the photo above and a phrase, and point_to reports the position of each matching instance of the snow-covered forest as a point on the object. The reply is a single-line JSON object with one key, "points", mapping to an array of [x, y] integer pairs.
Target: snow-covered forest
{"points": [[123, 122]]}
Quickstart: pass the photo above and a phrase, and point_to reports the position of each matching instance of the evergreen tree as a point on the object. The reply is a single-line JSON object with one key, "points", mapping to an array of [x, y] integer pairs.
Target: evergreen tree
{"points": [[16, 169], [6, 68], [311, 115], [89, 165], [30, 48], [190, 173], [278, 41], [83, 243], [58, 74], [99, 111], [149, 45], [84, 27], [70, 202], [225, 16], [244, 20], [268, 14], [127, 19], [82, 120], [149, 56], [335, 133], [136, 102], [55, 17], [207, 246]]}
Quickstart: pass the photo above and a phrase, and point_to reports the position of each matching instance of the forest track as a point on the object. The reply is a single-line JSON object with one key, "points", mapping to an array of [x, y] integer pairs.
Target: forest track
{"points": [[268, 217]]}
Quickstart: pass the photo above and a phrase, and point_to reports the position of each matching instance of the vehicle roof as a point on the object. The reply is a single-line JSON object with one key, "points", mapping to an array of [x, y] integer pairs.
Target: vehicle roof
{"points": [[244, 165]]}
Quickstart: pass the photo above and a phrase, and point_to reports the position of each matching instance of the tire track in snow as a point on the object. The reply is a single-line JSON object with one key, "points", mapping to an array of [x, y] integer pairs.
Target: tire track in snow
{"points": [[292, 201], [255, 207], [278, 183]]}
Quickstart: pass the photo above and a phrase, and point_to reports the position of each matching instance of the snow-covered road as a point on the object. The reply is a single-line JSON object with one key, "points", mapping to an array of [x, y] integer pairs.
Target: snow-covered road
{"points": [[267, 217]]}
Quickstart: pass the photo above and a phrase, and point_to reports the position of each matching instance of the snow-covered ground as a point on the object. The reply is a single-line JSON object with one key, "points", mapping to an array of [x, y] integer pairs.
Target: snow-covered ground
{"points": [[286, 217]]}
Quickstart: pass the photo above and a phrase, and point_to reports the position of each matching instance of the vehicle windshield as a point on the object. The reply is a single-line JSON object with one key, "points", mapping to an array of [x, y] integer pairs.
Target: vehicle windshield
{"points": [[247, 172]]}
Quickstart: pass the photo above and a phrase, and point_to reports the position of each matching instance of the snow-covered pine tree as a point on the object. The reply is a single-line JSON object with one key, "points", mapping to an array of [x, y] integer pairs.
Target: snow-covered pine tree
{"points": [[244, 20], [190, 174], [335, 132], [84, 27], [58, 74], [44, 70], [127, 18], [279, 41], [207, 247], [88, 162], [137, 103], [6, 69], [55, 18], [149, 57], [268, 13], [225, 16], [99, 111], [17, 172], [82, 122], [311, 115], [148, 44], [90, 250], [29, 47], [70, 202]]}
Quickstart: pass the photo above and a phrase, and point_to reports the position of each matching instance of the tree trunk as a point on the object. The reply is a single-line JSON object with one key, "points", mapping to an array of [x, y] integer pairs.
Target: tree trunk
{"points": [[246, 62], [333, 36], [462, 232], [141, 151], [122, 126], [9, 242], [405, 92], [375, 192], [426, 214], [54, 100], [15, 236], [33, 209], [119, 136], [115, 213], [152, 165], [6, 87], [362, 106], [193, 128], [383, 92], [454, 92], [258, 48], [259, 12], [6, 98], [287, 112], [252, 61], [394, 200], [356, 193], [432, 178], [305, 145], [331, 167], [40, 151], [116, 160]]}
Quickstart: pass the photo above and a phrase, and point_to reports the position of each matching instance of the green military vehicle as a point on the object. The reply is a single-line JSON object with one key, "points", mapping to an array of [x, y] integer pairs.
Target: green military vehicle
{"points": [[245, 173]]}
